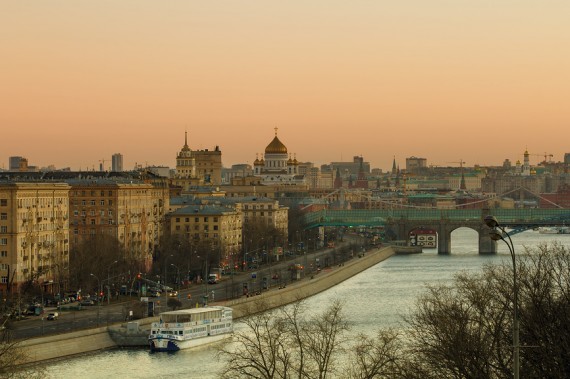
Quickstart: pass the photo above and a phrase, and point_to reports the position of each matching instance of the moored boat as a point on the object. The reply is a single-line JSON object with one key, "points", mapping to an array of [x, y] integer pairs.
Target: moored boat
{"points": [[555, 230], [186, 328]]}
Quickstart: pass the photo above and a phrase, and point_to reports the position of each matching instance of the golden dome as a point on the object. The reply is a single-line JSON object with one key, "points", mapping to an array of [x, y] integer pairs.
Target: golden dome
{"points": [[276, 147]]}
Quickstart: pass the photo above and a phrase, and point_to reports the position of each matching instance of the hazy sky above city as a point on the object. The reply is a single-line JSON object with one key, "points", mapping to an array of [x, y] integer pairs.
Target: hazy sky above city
{"points": [[477, 80]]}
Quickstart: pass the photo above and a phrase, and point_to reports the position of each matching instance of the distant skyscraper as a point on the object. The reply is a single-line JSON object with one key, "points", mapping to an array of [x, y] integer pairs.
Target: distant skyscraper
{"points": [[117, 162], [14, 163]]}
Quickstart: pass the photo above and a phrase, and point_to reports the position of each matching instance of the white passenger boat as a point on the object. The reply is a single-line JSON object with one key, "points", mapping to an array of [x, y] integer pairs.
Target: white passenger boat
{"points": [[186, 328], [555, 230]]}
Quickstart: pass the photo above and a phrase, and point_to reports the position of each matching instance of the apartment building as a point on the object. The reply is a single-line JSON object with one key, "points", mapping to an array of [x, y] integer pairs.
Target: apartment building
{"points": [[125, 209], [214, 227], [34, 235]]}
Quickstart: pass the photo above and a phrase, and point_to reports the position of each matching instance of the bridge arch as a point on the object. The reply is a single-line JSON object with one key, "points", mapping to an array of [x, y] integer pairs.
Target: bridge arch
{"points": [[402, 228]]}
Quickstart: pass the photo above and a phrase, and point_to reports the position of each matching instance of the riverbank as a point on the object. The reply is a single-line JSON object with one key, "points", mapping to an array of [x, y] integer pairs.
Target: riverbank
{"points": [[80, 342]]}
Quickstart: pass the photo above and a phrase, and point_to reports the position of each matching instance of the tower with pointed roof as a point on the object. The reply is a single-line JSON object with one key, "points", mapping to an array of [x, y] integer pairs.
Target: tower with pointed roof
{"points": [[197, 167]]}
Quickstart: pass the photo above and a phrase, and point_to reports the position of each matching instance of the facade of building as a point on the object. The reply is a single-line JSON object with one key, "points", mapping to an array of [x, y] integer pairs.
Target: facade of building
{"points": [[34, 235], [197, 167], [117, 162], [276, 166], [14, 163], [415, 164], [213, 228], [242, 170], [125, 209], [348, 169]]}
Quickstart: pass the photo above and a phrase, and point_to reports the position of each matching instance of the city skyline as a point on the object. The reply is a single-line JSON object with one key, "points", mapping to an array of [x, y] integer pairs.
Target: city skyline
{"points": [[447, 81]]}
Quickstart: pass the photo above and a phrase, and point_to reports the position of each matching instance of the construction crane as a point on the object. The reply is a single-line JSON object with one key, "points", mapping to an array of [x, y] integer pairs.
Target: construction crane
{"points": [[545, 155], [461, 162]]}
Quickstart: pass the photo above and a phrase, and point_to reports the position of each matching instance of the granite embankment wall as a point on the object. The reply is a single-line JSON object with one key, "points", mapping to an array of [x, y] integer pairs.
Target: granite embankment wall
{"points": [[80, 342]]}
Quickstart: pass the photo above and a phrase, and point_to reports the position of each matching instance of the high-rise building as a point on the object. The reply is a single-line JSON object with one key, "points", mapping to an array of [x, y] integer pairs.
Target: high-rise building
{"points": [[14, 163], [117, 162], [34, 235]]}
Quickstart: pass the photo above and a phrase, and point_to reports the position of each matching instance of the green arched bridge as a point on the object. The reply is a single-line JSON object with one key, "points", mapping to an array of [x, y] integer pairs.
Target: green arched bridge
{"points": [[398, 223]]}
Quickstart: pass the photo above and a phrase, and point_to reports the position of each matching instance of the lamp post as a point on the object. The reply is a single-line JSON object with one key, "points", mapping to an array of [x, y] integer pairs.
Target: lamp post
{"points": [[177, 276], [109, 282], [98, 296], [498, 233]]}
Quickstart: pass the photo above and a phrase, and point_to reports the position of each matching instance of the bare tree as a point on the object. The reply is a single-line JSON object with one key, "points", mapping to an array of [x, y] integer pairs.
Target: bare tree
{"points": [[464, 330], [12, 358], [375, 357], [288, 343]]}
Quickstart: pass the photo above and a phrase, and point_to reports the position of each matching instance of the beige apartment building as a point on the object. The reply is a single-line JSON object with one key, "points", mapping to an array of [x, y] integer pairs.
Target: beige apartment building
{"points": [[34, 235], [126, 209], [265, 210], [217, 229]]}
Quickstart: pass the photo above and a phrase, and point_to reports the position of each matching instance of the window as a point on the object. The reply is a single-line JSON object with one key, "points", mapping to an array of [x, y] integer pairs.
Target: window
{"points": [[177, 219], [3, 253], [187, 219], [205, 219], [83, 213], [215, 219], [3, 241], [110, 202], [83, 202], [92, 202], [4, 279], [92, 221], [3, 202], [3, 216], [196, 219], [102, 202], [110, 213], [92, 213], [215, 227], [177, 227], [3, 229], [76, 213]]}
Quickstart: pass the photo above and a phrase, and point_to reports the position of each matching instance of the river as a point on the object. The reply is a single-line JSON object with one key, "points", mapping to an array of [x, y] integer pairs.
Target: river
{"points": [[377, 297]]}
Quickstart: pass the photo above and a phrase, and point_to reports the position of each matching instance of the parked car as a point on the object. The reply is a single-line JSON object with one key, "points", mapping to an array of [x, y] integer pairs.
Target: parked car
{"points": [[87, 302], [53, 316], [173, 293]]}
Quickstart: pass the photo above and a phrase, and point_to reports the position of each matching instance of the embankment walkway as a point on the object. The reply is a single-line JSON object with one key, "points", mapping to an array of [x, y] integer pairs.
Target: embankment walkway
{"points": [[85, 341]]}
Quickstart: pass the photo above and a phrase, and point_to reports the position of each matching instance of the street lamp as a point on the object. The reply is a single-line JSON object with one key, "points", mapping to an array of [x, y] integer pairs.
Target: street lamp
{"points": [[109, 282], [498, 233], [98, 296], [177, 275]]}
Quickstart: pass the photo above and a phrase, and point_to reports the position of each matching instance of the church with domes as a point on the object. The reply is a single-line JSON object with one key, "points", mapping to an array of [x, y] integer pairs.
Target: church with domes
{"points": [[276, 166]]}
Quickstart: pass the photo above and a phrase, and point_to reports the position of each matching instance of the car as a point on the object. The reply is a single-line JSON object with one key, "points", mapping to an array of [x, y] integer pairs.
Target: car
{"points": [[53, 316], [87, 302], [173, 293], [153, 293]]}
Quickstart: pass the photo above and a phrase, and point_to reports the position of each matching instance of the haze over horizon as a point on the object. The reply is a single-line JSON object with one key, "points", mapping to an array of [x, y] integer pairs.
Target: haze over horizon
{"points": [[445, 80]]}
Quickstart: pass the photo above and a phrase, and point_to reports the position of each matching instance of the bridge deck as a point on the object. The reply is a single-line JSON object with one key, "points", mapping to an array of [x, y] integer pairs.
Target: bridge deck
{"points": [[379, 217]]}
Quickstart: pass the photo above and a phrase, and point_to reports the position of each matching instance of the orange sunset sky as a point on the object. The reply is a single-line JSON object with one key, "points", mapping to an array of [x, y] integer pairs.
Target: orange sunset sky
{"points": [[478, 80]]}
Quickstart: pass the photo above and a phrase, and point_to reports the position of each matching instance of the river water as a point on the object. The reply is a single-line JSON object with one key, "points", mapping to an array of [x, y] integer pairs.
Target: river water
{"points": [[377, 297]]}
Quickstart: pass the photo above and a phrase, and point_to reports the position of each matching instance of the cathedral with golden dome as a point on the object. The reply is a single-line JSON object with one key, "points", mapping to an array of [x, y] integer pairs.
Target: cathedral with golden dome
{"points": [[276, 166]]}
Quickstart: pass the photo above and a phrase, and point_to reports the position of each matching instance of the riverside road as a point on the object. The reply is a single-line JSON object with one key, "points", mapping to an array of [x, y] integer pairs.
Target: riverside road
{"points": [[230, 287]]}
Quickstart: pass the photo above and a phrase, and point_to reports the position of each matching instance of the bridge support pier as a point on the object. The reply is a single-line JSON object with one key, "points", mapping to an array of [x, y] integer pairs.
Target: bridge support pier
{"points": [[486, 244], [444, 239]]}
